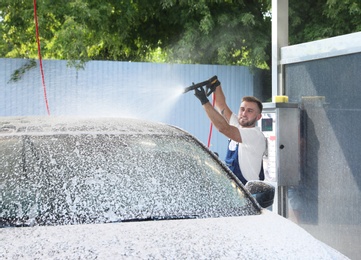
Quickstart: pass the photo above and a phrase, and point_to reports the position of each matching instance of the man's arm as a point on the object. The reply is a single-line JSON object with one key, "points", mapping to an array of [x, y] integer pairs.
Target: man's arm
{"points": [[221, 124], [221, 104], [216, 118]]}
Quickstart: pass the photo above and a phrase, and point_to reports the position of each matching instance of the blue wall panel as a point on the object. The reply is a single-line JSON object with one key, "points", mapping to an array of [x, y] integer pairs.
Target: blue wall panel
{"points": [[126, 89]]}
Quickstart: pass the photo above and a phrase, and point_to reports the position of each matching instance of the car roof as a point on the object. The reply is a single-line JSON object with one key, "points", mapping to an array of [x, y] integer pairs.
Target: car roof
{"points": [[60, 124]]}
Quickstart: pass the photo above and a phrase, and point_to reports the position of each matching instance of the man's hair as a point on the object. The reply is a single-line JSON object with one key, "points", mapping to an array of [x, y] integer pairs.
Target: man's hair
{"points": [[255, 100]]}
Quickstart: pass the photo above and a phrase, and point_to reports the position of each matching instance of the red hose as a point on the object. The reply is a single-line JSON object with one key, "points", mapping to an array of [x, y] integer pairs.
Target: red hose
{"points": [[40, 60], [211, 126]]}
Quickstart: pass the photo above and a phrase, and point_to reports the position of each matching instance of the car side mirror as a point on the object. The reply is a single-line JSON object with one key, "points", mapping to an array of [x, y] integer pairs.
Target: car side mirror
{"points": [[262, 191]]}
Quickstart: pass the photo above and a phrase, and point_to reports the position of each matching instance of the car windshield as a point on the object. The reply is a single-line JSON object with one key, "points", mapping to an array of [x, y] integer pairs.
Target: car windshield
{"points": [[64, 178]]}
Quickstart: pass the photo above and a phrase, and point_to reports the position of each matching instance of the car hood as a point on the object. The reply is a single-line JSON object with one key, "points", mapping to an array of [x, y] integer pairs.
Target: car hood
{"points": [[265, 236]]}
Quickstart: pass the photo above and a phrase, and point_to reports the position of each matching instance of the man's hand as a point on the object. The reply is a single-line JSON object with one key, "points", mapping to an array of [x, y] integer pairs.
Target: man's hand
{"points": [[201, 95], [211, 86]]}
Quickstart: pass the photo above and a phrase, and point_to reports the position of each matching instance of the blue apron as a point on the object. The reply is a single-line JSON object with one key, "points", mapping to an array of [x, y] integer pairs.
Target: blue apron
{"points": [[233, 164]]}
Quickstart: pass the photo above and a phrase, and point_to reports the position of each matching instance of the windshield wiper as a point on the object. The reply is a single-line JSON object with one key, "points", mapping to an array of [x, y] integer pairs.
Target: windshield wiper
{"points": [[156, 218], [14, 222]]}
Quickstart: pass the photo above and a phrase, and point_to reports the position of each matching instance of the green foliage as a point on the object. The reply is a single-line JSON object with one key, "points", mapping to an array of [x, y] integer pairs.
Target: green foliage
{"points": [[18, 73], [229, 32], [221, 32], [314, 20], [186, 31]]}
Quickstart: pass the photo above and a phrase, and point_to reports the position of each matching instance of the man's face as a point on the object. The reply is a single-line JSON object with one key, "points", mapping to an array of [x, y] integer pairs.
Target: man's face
{"points": [[248, 114]]}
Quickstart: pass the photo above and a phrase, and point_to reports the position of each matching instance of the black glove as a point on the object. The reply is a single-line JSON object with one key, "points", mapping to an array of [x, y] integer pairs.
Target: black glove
{"points": [[201, 95], [211, 86]]}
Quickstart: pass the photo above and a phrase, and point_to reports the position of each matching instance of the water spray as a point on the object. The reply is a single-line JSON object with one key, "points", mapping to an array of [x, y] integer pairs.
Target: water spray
{"points": [[210, 84]]}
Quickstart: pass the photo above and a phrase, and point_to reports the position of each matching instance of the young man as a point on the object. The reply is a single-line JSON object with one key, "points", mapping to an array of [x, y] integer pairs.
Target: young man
{"points": [[247, 143]]}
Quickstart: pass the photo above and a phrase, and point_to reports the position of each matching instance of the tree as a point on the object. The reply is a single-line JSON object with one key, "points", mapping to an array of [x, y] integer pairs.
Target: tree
{"points": [[213, 32], [320, 19], [228, 32]]}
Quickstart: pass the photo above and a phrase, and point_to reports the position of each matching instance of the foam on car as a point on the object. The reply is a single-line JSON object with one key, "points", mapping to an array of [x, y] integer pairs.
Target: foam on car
{"points": [[51, 124]]}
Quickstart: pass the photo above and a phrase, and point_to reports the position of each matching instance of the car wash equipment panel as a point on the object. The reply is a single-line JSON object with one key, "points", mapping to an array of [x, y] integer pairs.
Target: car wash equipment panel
{"points": [[280, 123]]}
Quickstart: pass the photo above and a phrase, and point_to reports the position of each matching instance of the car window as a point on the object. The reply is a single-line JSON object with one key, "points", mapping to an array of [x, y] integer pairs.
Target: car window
{"points": [[98, 178]]}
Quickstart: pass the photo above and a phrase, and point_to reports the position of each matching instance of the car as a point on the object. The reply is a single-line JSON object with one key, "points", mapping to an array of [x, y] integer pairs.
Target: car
{"points": [[115, 188]]}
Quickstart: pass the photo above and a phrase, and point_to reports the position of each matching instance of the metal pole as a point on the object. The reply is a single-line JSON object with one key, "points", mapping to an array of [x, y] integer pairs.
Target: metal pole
{"points": [[279, 39]]}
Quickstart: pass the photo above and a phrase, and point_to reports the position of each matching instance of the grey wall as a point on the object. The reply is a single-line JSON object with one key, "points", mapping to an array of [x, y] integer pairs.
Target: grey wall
{"points": [[328, 197], [142, 90]]}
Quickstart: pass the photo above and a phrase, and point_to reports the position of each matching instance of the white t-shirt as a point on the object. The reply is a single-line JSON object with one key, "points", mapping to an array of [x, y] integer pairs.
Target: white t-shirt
{"points": [[250, 151]]}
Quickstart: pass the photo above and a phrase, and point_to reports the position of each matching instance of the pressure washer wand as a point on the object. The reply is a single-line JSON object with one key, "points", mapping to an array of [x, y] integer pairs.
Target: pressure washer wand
{"points": [[210, 84], [195, 86]]}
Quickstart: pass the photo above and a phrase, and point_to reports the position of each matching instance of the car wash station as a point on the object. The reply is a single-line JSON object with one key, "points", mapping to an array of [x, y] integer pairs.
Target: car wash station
{"points": [[312, 125]]}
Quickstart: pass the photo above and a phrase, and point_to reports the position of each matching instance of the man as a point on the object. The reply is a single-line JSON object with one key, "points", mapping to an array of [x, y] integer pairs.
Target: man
{"points": [[247, 143]]}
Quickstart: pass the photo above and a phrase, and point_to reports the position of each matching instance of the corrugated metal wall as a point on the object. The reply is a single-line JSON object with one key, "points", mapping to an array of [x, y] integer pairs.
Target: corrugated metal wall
{"points": [[127, 89]]}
